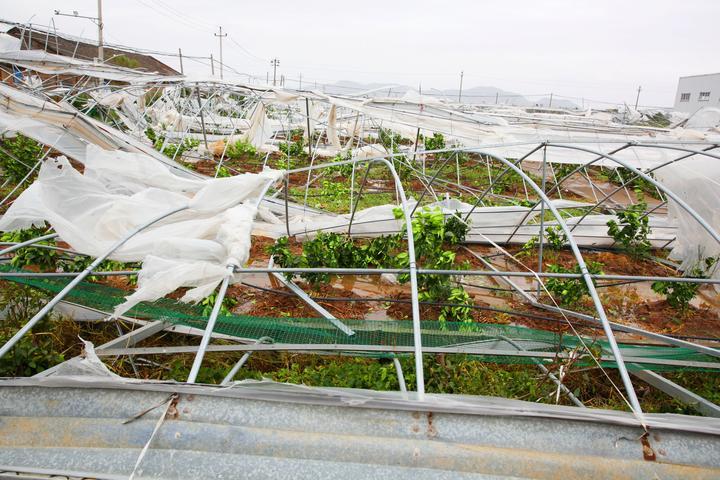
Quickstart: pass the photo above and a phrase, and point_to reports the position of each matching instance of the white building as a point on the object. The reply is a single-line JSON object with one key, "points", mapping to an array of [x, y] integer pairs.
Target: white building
{"points": [[698, 91]]}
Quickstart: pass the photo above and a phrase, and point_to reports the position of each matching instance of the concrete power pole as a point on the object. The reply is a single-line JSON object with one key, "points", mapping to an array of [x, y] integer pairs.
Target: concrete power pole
{"points": [[275, 63], [637, 99], [101, 54], [221, 35], [460, 92]]}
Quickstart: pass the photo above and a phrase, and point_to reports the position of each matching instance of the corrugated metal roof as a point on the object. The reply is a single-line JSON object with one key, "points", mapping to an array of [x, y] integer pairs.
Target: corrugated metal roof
{"points": [[268, 430]]}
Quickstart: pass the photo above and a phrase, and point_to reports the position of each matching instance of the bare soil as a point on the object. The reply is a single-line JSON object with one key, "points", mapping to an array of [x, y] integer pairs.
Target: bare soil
{"points": [[274, 304], [613, 262]]}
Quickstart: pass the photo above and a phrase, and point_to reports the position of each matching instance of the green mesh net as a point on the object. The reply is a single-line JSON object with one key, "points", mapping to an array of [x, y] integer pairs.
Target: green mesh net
{"points": [[385, 333]]}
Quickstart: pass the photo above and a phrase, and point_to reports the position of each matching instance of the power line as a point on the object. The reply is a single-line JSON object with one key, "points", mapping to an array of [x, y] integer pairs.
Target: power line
{"points": [[246, 51], [178, 13]]}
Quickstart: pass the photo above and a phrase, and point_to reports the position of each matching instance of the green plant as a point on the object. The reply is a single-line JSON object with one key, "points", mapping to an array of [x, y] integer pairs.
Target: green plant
{"points": [[569, 291], [22, 154], [556, 237], [332, 191], [285, 163], [282, 256], [436, 142], [44, 258], [35, 351], [293, 149], [556, 240], [623, 176], [529, 246], [348, 373], [632, 229], [80, 262], [455, 229], [562, 170], [341, 170], [658, 120], [240, 149], [172, 150], [223, 172], [430, 233], [225, 308], [389, 139], [392, 141], [86, 104], [679, 294]]}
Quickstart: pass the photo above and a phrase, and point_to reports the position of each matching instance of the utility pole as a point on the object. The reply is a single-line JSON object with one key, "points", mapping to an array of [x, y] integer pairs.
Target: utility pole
{"points": [[550, 104], [212, 65], [460, 92], [275, 63], [637, 99], [497, 94], [101, 54], [221, 35], [182, 72]]}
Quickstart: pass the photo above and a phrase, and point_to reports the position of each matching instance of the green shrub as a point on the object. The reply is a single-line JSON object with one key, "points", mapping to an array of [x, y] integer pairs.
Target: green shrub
{"points": [[431, 232], [633, 228], [24, 153], [556, 237], [80, 262], [240, 149], [569, 291], [436, 142], [623, 176], [293, 149], [225, 308], [392, 141], [680, 294], [172, 150], [35, 351], [44, 258], [556, 240]]}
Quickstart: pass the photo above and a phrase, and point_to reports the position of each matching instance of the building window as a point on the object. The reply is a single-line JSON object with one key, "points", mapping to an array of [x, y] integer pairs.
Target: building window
{"points": [[684, 97], [704, 97]]}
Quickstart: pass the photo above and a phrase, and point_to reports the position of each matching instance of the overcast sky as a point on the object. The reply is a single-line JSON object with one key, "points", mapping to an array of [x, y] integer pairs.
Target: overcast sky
{"points": [[597, 49]]}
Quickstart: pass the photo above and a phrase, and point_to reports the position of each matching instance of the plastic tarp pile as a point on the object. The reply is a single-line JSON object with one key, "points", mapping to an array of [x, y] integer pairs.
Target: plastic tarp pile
{"points": [[120, 192]]}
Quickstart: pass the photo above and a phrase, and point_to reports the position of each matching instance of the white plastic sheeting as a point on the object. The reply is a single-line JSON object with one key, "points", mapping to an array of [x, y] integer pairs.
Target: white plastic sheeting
{"points": [[696, 181], [507, 224], [120, 191], [62, 128], [51, 64]]}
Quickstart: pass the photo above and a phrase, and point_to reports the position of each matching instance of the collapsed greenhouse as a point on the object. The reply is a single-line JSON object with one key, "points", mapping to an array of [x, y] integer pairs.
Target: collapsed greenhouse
{"points": [[162, 233]]}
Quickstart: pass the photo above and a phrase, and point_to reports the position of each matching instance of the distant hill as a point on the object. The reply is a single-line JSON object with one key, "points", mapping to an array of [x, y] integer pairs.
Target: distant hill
{"points": [[475, 95]]}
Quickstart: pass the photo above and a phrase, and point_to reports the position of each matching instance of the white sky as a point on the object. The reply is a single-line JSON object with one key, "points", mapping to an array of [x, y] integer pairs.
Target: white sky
{"points": [[597, 49]]}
